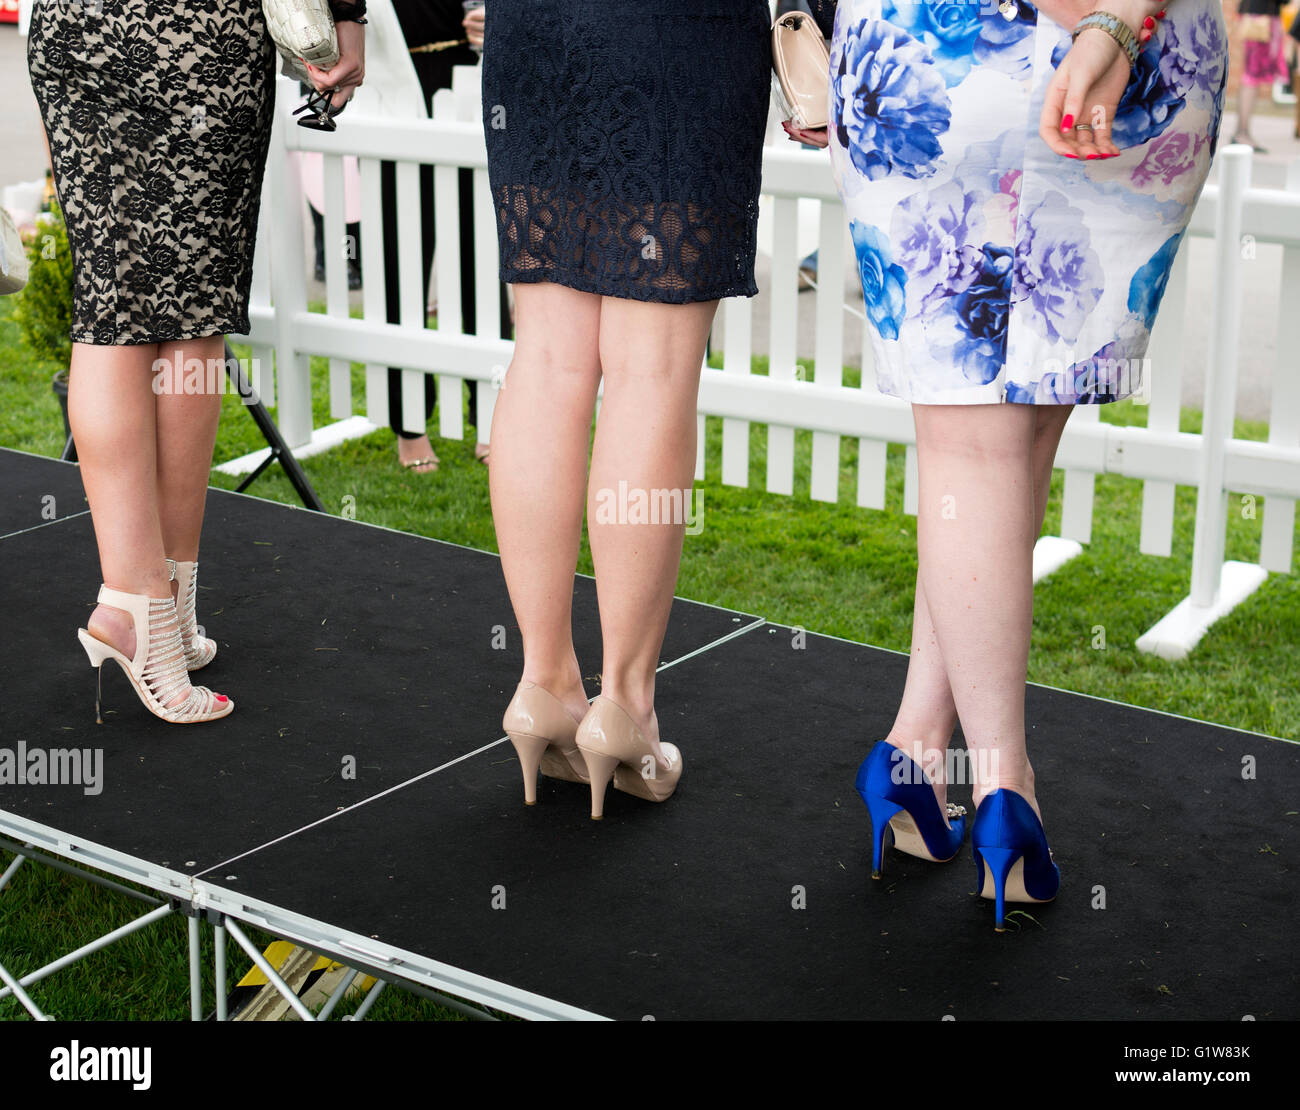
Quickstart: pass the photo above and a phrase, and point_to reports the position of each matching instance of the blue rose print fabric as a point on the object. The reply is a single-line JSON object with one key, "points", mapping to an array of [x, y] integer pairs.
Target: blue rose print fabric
{"points": [[994, 270]]}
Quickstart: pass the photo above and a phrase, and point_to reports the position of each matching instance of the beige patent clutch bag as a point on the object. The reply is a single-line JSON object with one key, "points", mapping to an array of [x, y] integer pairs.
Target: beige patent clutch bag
{"points": [[802, 70]]}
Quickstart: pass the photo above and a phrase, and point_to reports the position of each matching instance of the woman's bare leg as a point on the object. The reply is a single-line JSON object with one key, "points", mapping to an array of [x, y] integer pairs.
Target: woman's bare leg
{"points": [[651, 354], [1246, 97], [186, 424], [975, 536], [927, 714], [111, 410], [541, 429]]}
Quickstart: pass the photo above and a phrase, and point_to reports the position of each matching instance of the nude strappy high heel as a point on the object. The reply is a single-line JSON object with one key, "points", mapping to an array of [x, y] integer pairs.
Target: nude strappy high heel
{"points": [[542, 732], [199, 650], [158, 672], [615, 748]]}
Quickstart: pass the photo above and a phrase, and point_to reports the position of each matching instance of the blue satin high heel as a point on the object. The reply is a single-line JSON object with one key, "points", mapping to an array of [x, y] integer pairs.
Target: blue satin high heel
{"points": [[1008, 836], [900, 798]]}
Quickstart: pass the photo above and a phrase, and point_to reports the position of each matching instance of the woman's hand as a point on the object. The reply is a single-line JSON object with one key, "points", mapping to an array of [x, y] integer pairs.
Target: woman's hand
{"points": [[819, 137], [1092, 76], [474, 22], [1085, 91], [348, 72]]}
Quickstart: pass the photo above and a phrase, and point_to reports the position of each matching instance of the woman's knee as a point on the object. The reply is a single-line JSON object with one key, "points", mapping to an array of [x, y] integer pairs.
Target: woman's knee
{"points": [[557, 334]]}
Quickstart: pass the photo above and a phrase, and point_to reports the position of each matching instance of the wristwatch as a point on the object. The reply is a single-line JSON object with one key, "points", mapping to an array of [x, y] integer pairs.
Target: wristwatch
{"points": [[1120, 31]]}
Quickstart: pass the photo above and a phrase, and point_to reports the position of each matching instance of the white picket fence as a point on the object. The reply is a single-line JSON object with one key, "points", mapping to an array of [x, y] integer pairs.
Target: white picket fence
{"points": [[796, 183]]}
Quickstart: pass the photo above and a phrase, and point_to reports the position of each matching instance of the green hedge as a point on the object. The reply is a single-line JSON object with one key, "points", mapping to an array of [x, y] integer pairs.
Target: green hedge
{"points": [[43, 309]]}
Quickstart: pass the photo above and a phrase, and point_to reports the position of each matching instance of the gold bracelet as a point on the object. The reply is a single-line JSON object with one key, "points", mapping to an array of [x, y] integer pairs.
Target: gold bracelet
{"points": [[434, 47]]}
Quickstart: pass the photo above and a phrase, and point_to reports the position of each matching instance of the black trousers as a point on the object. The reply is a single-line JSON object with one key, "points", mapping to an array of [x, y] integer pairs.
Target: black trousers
{"points": [[428, 243]]}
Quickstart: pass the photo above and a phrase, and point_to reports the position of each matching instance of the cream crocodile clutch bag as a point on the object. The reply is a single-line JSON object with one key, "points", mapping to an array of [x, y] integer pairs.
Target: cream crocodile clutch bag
{"points": [[13, 258], [303, 30]]}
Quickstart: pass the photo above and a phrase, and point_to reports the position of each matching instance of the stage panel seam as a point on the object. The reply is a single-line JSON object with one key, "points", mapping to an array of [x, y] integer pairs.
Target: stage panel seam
{"points": [[757, 623], [355, 805], [449, 763], [44, 524]]}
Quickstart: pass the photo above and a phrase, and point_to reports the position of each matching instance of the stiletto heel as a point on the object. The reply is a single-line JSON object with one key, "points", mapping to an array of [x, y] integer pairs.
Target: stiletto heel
{"points": [[881, 812], [199, 649], [542, 732], [900, 798], [616, 750], [157, 672], [1008, 836], [98, 651], [999, 862]]}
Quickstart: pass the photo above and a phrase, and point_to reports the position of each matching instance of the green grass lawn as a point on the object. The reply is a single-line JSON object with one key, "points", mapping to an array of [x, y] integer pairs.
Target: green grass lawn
{"points": [[831, 568]]}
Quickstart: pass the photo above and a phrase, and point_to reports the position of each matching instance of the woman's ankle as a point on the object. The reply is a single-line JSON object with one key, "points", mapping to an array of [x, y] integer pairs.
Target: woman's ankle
{"points": [[566, 686]]}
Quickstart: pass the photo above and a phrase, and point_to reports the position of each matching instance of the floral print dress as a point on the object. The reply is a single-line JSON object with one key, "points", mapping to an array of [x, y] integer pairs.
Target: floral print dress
{"points": [[993, 269]]}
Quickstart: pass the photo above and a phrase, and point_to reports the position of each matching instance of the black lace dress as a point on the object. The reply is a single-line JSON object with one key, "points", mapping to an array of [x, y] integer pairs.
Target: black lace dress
{"points": [[625, 143], [159, 117]]}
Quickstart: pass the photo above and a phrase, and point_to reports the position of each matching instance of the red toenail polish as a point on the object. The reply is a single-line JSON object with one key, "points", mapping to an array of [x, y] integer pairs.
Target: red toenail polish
{"points": [[221, 697]]}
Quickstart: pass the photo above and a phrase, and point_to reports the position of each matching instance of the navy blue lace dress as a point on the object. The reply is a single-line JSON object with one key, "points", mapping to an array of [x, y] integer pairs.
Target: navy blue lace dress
{"points": [[625, 143]]}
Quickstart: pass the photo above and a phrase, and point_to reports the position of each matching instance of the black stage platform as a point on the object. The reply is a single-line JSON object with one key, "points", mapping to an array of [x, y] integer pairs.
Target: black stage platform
{"points": [[746, 896]]}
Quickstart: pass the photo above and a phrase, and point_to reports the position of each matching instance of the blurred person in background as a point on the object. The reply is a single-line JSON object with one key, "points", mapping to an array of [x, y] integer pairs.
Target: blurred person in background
{"points": [[1263, 61]]}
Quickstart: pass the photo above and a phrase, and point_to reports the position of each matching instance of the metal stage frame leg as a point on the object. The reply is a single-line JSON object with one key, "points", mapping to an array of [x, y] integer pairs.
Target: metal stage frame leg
{"points": [[219, 966], [84, 951], [271, 974], [369, 1001], [274, 440], [24, 853], [222, 926], [22, 996], [196, 972]]}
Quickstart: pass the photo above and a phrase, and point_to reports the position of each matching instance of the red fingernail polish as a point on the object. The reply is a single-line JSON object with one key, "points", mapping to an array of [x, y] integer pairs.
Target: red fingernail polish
{"points": [[1067, 123], [1148, 23], [1160, 14]]}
